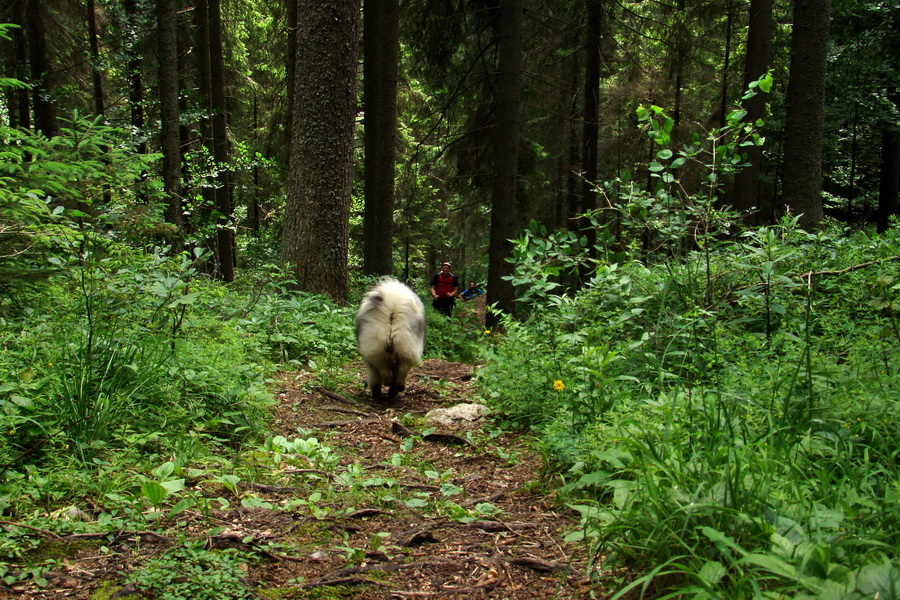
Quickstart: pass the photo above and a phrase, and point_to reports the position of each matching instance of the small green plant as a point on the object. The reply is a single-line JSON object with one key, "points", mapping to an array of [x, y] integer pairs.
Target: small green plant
{"points": [[163, 487], [886, 303], [770, 255], [190, 571], [100, 387], [301, 452]]}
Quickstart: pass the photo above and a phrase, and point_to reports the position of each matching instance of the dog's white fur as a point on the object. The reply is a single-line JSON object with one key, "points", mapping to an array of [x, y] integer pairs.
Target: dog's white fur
{"points": [[390, 335]]}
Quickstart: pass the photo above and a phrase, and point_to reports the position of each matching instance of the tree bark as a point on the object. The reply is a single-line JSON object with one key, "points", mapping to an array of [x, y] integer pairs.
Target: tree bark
{"points": [[45, 116], [504, 204], [170, 141], [290, 76], [591, 125], [573, 183], [134, 76], [315, 238], [224, 226], [747, 193], [889, 177], [94, 43], [381, 49], [805, 118], [20, 105], [204, 212], [723, 100]]}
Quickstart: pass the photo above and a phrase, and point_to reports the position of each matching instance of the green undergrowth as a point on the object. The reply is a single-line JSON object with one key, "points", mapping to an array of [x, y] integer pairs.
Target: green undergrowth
{"points": [[726, 427], [718, 403]]}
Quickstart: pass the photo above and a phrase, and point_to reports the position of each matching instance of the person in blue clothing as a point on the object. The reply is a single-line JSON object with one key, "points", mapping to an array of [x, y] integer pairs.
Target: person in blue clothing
{"points": [[444, 288], [471, 291]]}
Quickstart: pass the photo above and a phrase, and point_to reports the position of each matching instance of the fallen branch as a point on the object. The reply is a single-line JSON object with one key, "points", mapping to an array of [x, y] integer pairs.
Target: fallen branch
{"points": [[447, 438], [367, 512], [35, 529], [401, 430], [535, 564], [336, 396], [329, 424], [439, 438], [262, 487], [850, 269], [342, 581], [348, 411]]}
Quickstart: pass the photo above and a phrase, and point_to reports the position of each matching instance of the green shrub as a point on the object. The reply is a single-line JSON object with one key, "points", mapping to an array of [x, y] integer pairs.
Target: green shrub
{"points": [[192, 572]]}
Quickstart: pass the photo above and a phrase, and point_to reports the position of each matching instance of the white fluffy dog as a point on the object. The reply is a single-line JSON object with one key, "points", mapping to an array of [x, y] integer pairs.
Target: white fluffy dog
{"points": [[390, 334]]}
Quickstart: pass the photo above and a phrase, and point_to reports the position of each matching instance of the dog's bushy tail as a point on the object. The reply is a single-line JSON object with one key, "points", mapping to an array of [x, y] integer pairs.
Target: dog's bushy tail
{"points": [[390, 334]]}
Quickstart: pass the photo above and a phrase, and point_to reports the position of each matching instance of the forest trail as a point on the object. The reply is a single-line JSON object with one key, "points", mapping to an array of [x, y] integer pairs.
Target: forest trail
{"points": [[402, 515], [517, 553]]}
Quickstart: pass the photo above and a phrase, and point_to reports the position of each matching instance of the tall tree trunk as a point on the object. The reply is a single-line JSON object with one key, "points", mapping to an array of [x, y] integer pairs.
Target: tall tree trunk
{"points": [[591, 128], [747, 194], [45, 118], [170, 142], [889, 180], [316, 222], [253, 208], [805, 118], [204, 212], [723, 101], [290, 72], [94, 43], [134, 75], [573, 183], [504, 204], [225, 227], [20, 106], [96, 80], [381, 50]]}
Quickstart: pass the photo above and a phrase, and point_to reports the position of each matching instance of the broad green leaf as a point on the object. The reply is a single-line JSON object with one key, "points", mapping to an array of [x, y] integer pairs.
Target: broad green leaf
{"points": [[154, 492], [254, 502], [712, 572], [720, 539], [772, 564], [164, 470], [879, 581], [173, 486], [181, 506]]}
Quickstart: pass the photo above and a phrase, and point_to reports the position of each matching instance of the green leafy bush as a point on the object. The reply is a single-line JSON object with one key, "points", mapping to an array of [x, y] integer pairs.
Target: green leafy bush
{"points": [[722, 411], [192, 572]]}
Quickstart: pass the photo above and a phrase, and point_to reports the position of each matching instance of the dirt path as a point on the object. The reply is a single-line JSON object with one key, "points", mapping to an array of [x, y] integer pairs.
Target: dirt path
{"points": [[378, 508], [514, 551]]}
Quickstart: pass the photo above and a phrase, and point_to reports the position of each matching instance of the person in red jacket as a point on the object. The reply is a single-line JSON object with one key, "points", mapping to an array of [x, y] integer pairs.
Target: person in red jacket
{"points": [[444, 287]]}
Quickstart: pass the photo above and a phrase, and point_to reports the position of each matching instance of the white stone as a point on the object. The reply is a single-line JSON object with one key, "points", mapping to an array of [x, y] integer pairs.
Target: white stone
{"points": [[460, 412]]}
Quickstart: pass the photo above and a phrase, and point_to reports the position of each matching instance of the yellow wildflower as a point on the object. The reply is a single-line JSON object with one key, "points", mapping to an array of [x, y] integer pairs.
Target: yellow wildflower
{"points": [[558, 385]]}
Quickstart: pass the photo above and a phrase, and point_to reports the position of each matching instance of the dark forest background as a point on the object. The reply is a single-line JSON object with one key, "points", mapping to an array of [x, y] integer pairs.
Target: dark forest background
{"points": [[467, 119]]}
